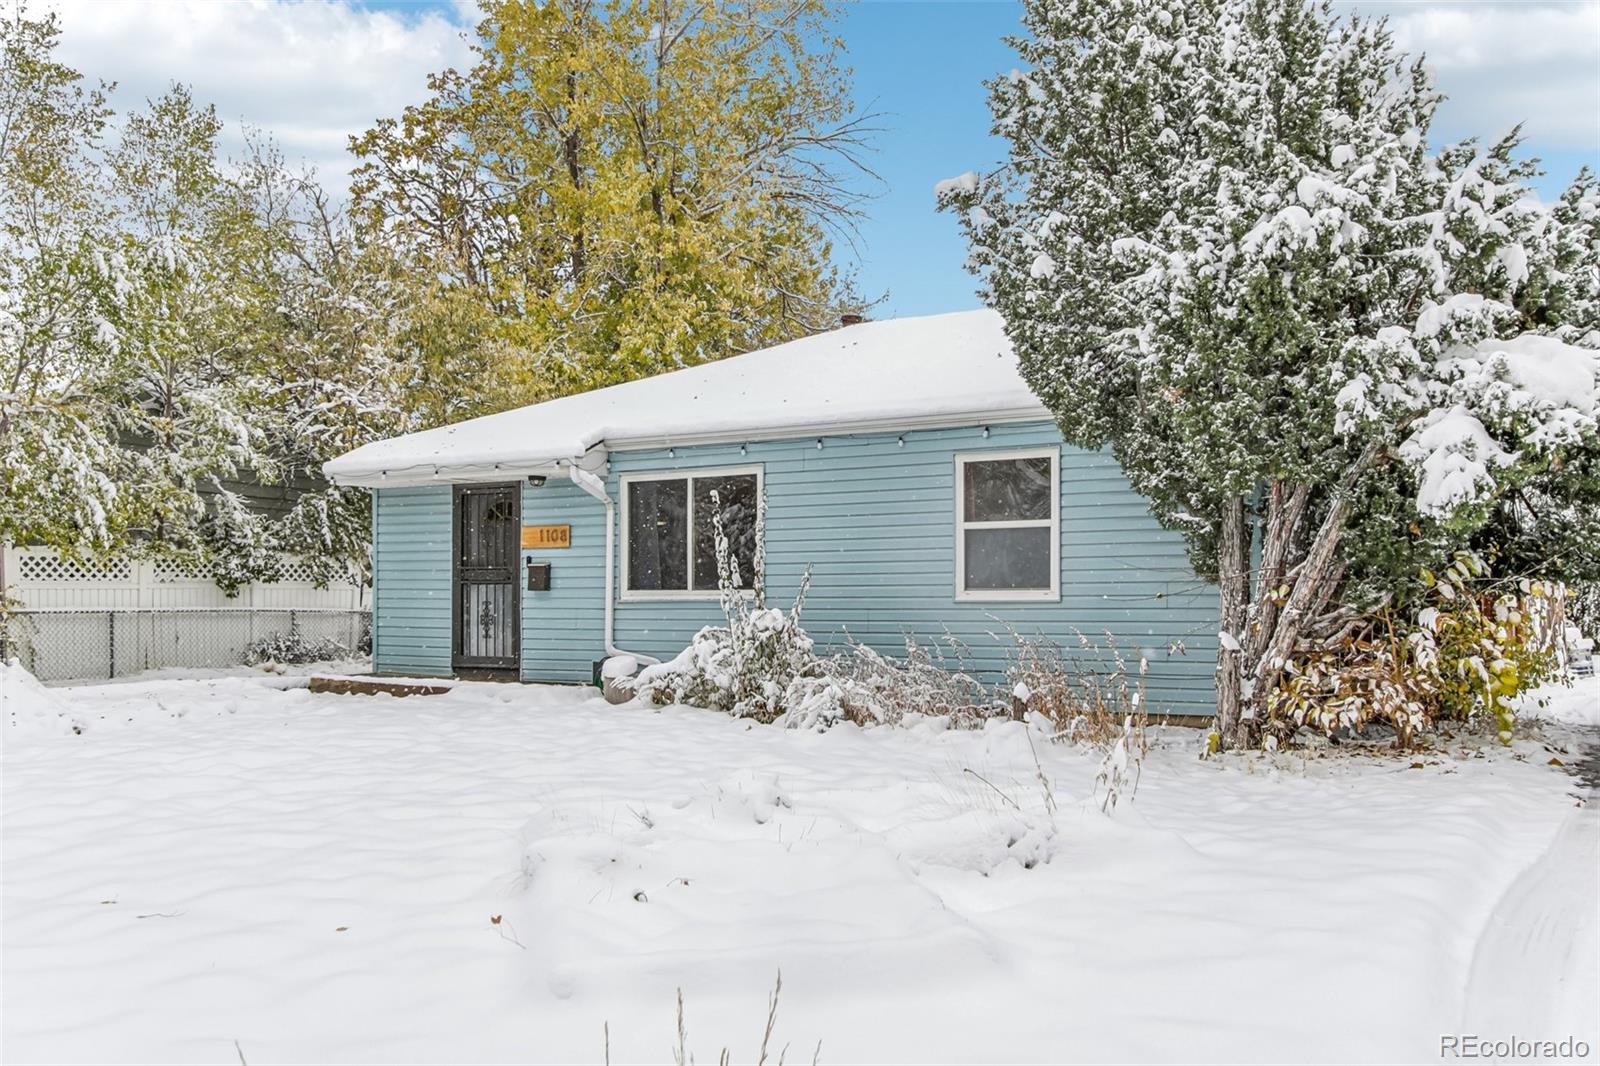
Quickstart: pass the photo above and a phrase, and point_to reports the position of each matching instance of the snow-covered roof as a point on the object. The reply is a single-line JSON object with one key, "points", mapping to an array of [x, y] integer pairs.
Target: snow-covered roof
{"points": [[899, 373]]}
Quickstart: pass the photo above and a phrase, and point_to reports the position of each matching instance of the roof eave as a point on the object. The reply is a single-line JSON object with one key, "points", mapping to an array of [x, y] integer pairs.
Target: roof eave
{"points": [[897, 424], [444, 473]]}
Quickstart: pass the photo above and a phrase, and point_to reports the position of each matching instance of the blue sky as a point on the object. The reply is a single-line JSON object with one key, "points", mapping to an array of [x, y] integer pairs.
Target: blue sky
{"points": [[922, 64], [312, 72]]}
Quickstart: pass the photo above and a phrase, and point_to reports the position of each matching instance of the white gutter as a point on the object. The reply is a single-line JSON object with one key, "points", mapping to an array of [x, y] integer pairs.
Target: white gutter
{"points": [[440, 472], [597, 488], [379, 473], [802, 430]]}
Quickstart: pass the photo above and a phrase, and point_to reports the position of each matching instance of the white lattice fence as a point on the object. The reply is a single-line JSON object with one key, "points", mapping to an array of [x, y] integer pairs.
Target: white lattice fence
{"points": [[112, 617], [42, 580]]}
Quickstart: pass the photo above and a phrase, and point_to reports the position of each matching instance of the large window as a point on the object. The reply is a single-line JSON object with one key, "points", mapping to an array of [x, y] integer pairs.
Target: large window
{"points": [[670, 540], [1008, 534]]}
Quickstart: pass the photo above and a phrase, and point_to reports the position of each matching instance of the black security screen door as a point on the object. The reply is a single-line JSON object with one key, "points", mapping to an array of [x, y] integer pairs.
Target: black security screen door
{"points": [[487, 598]]}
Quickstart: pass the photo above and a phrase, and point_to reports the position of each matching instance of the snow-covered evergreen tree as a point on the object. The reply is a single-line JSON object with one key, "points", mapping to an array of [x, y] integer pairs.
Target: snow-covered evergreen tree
{"points": [[1222, 248]]}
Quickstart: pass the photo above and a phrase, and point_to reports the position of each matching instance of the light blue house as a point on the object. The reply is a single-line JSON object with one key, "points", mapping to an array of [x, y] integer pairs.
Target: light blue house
{"points": [[904, 461]]}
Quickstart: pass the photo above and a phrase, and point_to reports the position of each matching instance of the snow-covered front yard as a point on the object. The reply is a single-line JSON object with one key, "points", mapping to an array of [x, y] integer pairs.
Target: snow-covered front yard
{"points": [[235, 868]]}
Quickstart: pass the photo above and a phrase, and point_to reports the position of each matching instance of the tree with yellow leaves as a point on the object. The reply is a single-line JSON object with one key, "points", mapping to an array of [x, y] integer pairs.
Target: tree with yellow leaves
{"points": [[626, 186]]}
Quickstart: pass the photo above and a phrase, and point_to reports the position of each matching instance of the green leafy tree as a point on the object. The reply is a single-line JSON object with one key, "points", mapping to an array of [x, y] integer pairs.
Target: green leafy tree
{"points": [[322, 362], [180, 415], [58, 293], [1222, 249], [171, 326], [621, 187]]}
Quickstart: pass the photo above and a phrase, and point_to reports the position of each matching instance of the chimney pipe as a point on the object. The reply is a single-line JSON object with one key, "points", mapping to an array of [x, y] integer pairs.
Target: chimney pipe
{"points": [[850, 320]]}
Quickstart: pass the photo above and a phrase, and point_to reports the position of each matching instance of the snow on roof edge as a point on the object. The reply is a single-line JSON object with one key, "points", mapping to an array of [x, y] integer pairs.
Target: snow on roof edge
{"points": [[875, 376], [504, 466]]}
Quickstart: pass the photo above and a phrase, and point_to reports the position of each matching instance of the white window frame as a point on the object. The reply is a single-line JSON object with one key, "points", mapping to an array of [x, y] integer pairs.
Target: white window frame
{"points": [[1053, 522], [632, 595]]}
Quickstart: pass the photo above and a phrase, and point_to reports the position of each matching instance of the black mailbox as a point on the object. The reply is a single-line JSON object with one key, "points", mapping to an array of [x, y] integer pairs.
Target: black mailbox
{"points": [[538, 577]]}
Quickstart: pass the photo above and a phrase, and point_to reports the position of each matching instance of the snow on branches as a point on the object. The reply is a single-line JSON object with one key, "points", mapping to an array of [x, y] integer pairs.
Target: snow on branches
{"points": [[1224, 248], [170, 324]]}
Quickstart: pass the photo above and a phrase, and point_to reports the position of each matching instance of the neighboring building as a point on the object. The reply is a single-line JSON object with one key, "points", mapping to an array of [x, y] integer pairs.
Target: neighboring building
{"points": [[904, 461]]}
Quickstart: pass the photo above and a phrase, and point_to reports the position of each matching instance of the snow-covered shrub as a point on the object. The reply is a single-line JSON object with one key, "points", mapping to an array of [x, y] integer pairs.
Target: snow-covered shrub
{"points": [[745, 667], [1471, 650], [1493, 645], [862, 686], [292, 647], [761, 664], [1123, 763], [1087, 695], [1376, 675]]}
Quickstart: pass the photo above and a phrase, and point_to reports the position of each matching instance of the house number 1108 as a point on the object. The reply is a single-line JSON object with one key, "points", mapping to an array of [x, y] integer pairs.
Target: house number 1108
{"points": [[546, 537]]}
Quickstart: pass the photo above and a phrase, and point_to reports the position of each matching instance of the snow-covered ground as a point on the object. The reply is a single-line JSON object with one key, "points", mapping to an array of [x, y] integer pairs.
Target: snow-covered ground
{"points": [[1577, 703], [235, 868]]}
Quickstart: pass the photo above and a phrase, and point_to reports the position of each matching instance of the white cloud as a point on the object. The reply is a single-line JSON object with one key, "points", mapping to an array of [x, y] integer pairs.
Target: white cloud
{"points": [[1504, 63], [309, 73]]}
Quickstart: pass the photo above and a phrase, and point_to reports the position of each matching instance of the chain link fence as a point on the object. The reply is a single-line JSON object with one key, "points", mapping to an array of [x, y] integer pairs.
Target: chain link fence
{"points": [[99, 645]]}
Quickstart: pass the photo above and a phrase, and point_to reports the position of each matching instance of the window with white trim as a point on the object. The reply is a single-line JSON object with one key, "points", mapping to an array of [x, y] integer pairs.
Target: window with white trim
{"points": [[1008, 525], [669, 539]]}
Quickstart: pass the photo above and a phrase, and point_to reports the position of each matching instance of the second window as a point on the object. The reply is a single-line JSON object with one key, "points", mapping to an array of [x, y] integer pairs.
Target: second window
{"points": [[1007, 525], [670, 538]]}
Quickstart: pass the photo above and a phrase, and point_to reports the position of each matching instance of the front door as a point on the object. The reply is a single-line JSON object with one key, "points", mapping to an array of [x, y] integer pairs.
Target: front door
{"points": [[487, 595]]}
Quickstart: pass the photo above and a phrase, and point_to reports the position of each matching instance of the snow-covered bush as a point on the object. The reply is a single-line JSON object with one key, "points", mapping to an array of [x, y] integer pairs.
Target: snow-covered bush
{"points": [[16, 628], [1123, 764], [1470, 652], [292, 647], [761, 664], [1087, 696], [862, 686], [746, 666]]}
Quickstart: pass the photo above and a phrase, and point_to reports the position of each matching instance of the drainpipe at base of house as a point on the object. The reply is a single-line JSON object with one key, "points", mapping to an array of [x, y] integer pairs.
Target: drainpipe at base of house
{"points": [[597, 488]]}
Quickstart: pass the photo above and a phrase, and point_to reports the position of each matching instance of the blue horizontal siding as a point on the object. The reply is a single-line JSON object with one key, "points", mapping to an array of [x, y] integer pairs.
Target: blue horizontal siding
{"points": [[563, 630], [874, 517], [411, 581]]}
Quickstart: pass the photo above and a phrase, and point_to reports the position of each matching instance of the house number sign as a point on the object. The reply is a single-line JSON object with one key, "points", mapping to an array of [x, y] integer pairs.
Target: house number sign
{"points": [[535, 537]]}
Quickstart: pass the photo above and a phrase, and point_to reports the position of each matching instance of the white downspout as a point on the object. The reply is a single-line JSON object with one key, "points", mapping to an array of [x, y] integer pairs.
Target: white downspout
{"points": [[597, 488]]}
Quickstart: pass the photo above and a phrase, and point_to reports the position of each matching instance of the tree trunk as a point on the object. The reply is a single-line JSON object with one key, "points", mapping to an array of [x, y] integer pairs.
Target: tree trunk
{"points": [[1307, 596], [1285, 510], [1233, 577], [1314, 573], [570, 146]]}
